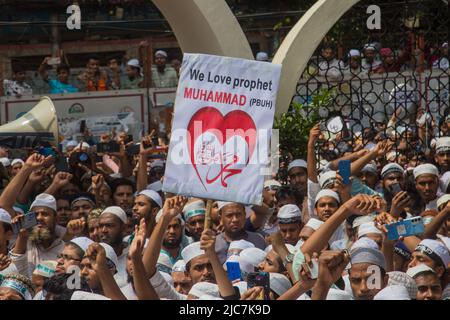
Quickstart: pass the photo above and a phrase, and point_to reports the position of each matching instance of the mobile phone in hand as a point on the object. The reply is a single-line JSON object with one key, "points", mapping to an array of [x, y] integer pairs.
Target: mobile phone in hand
{"points": [[260, 279], [233, 270], [314, 270], [405, 228], [344, 168], [28, 221], [395, 189]]}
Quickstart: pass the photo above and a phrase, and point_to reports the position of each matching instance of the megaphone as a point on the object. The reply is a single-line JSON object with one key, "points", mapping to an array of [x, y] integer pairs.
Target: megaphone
{"points": [[37, 126]]}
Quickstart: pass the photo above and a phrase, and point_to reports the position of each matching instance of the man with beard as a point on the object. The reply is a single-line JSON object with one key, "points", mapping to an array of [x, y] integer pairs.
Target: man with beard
{"points": [[392, 174], [113, 224], [72, 254], [442, 156], [181, 279], [297, 173], [43, 242], [290, 223], [194, 215], [331, 68], [232, 217], [172, 241], [326, 204], [147, 203], [122, 191], [163, 76], [427, 183]]}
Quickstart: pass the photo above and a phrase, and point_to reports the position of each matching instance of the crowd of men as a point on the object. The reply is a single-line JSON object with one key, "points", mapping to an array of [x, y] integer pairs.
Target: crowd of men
{"points": [[107, 235]]}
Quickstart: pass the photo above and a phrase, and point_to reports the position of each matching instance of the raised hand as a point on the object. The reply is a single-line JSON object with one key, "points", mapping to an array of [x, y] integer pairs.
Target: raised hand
{"points": [[400, 201], [76, 227], [36, 161], [208, 241], [254, 293], [5, 261], [305, 277], [363, 204], [61, 179], [331, 266], [137, 246], [36, 176], [174, 206], [23, 233], [97, 181], [97, 256], [314, 134]]}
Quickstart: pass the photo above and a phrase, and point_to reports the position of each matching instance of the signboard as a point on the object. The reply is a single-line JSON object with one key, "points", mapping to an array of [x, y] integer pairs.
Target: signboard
{"points": [[224, 111]]}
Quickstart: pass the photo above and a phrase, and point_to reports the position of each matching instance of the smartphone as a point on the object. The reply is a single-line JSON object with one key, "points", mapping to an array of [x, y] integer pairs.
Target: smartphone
{"points": [[83, 157], [62, 164], [314, 270], [47, 152], [344, 168], [129, 138], [54, 61], [233, 270], [105, 147], [395, 188], [27, 222], [133, 149], [405, 228], [260, 279]]}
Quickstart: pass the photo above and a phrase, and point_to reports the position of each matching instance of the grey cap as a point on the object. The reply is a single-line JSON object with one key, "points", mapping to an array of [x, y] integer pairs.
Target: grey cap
{"points": [[368, 255]]}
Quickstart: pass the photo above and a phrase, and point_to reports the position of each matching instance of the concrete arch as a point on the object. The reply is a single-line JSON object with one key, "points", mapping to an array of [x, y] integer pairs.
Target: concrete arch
{"points": [[205, 26], [301, 42]]}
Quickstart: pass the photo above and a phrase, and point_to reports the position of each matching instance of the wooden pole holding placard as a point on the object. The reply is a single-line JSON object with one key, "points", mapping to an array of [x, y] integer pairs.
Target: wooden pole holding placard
{"points": [[209, 204]]}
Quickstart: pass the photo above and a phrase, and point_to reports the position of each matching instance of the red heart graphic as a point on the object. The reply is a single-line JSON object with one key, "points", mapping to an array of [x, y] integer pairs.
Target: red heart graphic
{"points": [[212, 119]]}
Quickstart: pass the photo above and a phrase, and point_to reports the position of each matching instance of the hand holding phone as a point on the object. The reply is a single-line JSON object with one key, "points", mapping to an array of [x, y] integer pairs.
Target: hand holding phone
{"points": [[260, 279], [405, 228], [233, 270], [27, 221], [344, 168]]}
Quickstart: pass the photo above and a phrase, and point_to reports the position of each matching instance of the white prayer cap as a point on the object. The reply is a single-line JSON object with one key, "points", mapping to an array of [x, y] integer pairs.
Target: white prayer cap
{"points": [[5, 162], [45, 268], [445, 240], [19, 210], [443, 200], [297, 163], [279, 283], [444, 181], [134, 63], [179, 266], [164, 260], [354, 53], [435, 248], [240, 244], [370, 46], [361, 220], [271, 183], [117, 211], [242, 286], [192, 251], [16, 161], [443, 145], [161, 53], [44, 200], [5, 216], [110, 254], [402, 279], [159, 215], [209, 297], [254, 255], [336, 294], [327, 178], [84, 295], [246, 264], [290, 248], [82, 145], [155, 186], [314, 223], [414, 271], [82, 242], [201, 288], [168, 278], [370, 167], [367, 228], [72, 143], [394, 292], [221, 204], [194, 208], [153, 195], [367, 255], [327, 193], [262, 56], [426, 168], [289, 213], [364, 243], [445, 45], [391, 167]]}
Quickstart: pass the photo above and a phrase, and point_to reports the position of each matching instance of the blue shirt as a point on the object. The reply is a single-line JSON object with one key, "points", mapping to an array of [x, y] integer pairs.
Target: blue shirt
{"points": [[58, 87]]}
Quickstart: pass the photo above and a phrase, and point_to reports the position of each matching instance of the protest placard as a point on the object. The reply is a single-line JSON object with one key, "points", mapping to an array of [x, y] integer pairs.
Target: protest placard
{"points": [[224, 111]]}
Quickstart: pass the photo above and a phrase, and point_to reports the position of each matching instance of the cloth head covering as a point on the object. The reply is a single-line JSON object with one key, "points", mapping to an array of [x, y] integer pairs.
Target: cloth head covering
{"points": [[179, 266], [159, 215], [110, 254], [209, 297], [370, 167], [327, 178], [435, 250], [368, 255], [361, 220], [46, 268], [443, 200], [134, 63], [86, 197], [240, 244], [253, 255], [336, 294], [84, 295], [161, 53], [394, 292], [279, 283], [391, 167], [153, 195], [327, 193], [402, 279], [262, 56], [385, 52], [297, 262], [354, 53], [367, 228], [44, 200], [19, 210], [155, 186], [16, 161], [5, 162], [370, 46], [271, 183], [289, 213], [444, 181], [297, 163], [426, 168], [443, 145], [82, 145], [420, 268], [117, 211], [314, 223], [290, 248], [364, 242], [401, 249], [21, 284], [82, 242], [445, 240], [192, 251], [194, 208], [201, 288], [5, 216]]}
